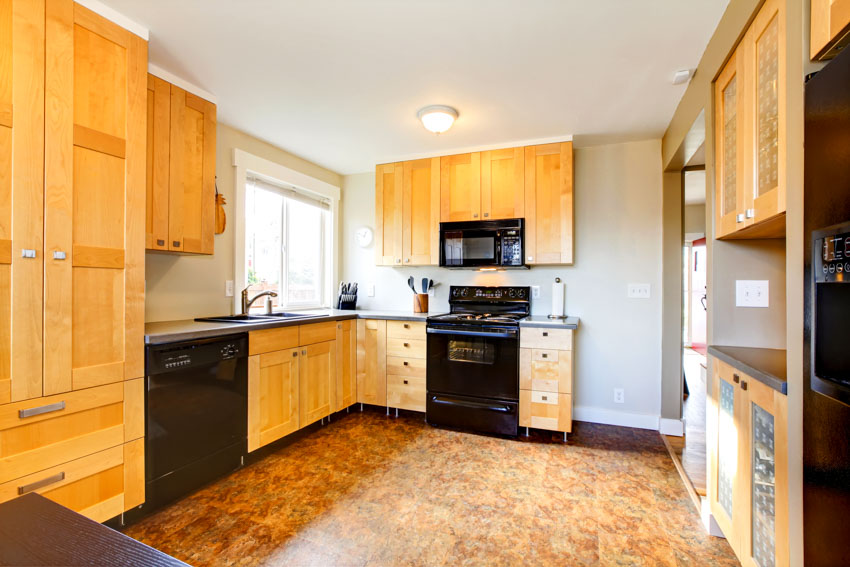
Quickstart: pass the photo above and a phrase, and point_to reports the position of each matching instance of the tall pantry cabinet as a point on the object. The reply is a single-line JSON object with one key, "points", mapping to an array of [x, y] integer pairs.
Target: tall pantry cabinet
{"points": [[72, 132]]}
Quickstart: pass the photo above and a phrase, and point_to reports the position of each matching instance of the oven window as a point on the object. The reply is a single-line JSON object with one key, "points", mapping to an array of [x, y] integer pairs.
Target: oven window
{"points": [[476, 350]]}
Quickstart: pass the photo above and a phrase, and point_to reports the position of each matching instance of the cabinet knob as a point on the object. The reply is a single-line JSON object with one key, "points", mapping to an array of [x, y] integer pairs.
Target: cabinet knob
{"points": [[486, 215], [175, 243], [743, 384], [27, 253], [304, 352], [58, 255], [475, 215], [406, 326], [295, 353], [740, 217], [405, 363], [545, 334], [545, 398], [530, 258], [406, 344], [339, 326], [750, 213], [405, 381], [736, 378], [160, 242], [545, 355], [407, 260]]}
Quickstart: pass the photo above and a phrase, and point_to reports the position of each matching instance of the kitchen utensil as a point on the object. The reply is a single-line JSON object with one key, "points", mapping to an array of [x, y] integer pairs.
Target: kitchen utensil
{"points": [[410, 284], [220, 216], [430, 284], [420, 303], [424, 285]]}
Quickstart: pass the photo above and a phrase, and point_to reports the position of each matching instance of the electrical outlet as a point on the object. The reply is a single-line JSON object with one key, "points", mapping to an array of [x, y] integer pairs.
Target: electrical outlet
{"points": [[228, 288], [535, 292], [639, 291], [752, 293], [619, 396], [431, 291], [370, 290]]}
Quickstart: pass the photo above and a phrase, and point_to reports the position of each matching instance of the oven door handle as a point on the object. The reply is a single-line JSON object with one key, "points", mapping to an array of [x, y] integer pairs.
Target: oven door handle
{"points": [[469, 404], [506, 334]]}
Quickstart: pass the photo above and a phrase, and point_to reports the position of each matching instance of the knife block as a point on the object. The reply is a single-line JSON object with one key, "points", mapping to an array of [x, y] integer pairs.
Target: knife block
{"points": [[420, 303]]}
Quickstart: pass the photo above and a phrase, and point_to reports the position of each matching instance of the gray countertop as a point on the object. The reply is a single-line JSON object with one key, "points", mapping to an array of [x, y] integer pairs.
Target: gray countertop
{"points": [[767, 365], [189, 329]]}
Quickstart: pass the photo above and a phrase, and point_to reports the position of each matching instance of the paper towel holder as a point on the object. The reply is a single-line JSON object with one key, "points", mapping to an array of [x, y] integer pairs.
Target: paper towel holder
{"points": [[557, 280]]}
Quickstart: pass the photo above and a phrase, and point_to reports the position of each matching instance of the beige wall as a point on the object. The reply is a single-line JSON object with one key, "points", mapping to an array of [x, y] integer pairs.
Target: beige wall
{"points": [[188, 286], [694, 219], [671, 352], [618, 190]]}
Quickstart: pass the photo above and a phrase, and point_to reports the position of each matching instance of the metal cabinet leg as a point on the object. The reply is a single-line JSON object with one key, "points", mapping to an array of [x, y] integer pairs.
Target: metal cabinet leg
{"points": [[565, 436], [361, 408], [396, 412], [526, 432]]}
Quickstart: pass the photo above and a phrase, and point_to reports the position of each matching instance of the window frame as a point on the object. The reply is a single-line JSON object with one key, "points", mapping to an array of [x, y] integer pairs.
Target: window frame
{"points": [[247, 165]]}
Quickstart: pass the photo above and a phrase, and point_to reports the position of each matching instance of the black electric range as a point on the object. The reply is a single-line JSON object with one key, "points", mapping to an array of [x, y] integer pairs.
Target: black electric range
{"points": [[473, 359]]}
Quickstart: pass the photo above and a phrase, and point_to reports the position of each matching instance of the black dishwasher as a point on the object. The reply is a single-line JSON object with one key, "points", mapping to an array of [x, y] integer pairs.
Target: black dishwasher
{"points": [[196, 406]]}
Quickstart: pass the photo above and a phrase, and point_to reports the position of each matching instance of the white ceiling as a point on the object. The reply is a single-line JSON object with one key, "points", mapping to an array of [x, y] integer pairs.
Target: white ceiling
{"points": [[339, 82]]}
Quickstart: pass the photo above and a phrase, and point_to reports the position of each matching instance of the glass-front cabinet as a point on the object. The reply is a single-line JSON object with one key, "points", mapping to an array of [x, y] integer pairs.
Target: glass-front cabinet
{"points": [[750, 116], [748, 487]]}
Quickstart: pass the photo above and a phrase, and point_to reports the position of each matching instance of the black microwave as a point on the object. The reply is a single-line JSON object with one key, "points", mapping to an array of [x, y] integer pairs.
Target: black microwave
{"points": [[483, 244]]}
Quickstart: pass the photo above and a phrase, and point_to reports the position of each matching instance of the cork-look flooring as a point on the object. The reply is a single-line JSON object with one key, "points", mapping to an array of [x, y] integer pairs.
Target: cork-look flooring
{"points": [[375, 490]]}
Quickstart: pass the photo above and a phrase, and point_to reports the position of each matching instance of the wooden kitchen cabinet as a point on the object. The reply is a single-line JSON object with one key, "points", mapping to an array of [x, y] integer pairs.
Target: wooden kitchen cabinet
{"points": [[388, 214], [830, 28], [503, 184], [345, 390], [317, 371], [546, 379], [750, 126], [273, 396], [181, 129], [549, 204], [372, 362], [420, 223], [748, 466], [405, 367], [460, 187]]}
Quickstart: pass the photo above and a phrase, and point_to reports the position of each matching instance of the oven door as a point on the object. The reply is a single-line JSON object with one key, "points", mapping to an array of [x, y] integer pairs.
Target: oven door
{"points": [[469, 360], [465, 248]]}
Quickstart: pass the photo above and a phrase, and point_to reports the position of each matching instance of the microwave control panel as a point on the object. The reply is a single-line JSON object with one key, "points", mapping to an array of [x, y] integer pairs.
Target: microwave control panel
{"points": [[511, 248], [832, 258]]}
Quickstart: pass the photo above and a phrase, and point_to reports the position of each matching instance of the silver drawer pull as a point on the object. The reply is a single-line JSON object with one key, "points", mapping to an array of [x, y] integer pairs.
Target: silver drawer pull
{"points": [[750, 213], [40, 483], [740, 218], [31, 412], [58, 255], [27, 253]]}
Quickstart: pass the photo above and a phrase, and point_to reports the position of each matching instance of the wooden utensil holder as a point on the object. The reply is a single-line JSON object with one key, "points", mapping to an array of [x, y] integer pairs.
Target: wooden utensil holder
{"points": [[420, 303]]}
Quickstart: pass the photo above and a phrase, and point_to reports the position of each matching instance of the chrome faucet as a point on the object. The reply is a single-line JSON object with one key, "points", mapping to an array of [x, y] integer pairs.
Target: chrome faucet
{"points": [[246, 303]]}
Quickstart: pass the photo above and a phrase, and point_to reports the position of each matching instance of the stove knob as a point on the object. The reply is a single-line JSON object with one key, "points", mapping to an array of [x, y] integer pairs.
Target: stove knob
{"points": [[465, 291], [455, 292], [512, 293]]}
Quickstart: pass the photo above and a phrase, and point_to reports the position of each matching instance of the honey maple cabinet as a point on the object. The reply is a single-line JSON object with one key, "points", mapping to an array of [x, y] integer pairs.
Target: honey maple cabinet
{"points": [[549, 204], [405, 366], [420, 221], [748, 466], [502, 184], [372, 362], [273, 380], [71, 257], [750, 126], [546, 379], [830, 28], [317, 371], [345, 392], [460, 187], [388, 214], [181, 137]]}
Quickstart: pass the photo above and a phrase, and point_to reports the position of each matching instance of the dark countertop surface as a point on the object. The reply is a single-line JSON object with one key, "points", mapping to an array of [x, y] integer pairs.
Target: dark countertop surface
{"points": [[37, 531], [767, 365], [542, 321]]}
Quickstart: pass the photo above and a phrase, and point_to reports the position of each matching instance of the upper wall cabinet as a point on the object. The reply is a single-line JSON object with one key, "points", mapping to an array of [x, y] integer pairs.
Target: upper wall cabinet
{"points": [[549, 204], [181, 170], [388, 214], [460, 187], [503, 184], [420, 221], [750, 125], [830, 28]]}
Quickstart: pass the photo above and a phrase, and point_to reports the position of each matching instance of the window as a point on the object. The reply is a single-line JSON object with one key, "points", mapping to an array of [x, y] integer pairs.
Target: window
{"points": [[286, 245]]}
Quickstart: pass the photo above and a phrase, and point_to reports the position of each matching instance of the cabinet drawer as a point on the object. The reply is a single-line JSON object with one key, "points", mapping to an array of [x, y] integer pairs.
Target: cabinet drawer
{"points": [[549, 339], [545, 410], [546, 370], [42, 433], [406, 366], [317, 333], [405, 330], [405, 392], [270, 340], [406, 348]]}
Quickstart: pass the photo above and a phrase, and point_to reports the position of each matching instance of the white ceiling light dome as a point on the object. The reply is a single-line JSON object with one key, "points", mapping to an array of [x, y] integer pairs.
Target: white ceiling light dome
{"points": [[437, 118]]}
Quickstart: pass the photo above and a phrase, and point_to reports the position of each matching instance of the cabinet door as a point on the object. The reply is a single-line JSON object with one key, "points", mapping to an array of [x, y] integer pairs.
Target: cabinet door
{"points": [[421, 212], [372, 362], [95, 200], [766, 49], [731, 183], [345, 392], [726, 450], [764, 529], [317, 371], [830, 23], [191, 209], [460, 187], [549, 204], [273, 381], [21, 198], [159, 141], [503, 184], [388, 214]]}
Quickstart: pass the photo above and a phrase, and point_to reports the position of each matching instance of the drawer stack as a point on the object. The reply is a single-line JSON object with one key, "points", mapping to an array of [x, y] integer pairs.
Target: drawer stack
{"points": [[406, 354], [546, 379]]}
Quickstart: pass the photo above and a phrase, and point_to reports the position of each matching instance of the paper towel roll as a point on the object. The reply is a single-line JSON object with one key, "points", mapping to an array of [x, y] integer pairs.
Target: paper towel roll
{"points": [[559, 292]]}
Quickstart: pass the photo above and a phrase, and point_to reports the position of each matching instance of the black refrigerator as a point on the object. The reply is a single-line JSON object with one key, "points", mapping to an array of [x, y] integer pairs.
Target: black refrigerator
{"points": [[826, 359]]}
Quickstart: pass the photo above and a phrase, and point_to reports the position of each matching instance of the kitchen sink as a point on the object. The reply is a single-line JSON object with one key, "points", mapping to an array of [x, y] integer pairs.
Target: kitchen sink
{"points": [[265, 317], [293, 315]]}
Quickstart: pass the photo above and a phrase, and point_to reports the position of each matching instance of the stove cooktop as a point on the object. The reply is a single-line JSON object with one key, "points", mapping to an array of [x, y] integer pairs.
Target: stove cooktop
{"points": [[478, 318]]}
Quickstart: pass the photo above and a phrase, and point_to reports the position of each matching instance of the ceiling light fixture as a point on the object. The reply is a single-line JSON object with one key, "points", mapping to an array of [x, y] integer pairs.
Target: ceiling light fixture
{"points": [[437, 118]]}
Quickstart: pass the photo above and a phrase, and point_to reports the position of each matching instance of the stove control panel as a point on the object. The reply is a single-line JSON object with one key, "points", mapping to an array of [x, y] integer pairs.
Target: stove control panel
{"points": [[487, 294]]}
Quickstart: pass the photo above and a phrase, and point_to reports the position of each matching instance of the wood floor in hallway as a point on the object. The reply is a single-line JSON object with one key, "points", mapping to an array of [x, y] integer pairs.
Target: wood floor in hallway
{"points": [[375, 490]]}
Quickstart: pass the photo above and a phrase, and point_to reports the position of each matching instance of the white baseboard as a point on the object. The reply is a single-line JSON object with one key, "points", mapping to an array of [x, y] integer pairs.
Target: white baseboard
{"points": [[611, 417], [675, 427], [708, 521]]}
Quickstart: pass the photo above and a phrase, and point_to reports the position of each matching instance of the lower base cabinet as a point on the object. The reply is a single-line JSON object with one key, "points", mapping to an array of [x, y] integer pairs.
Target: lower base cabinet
{"points": [[372, 362], [406, 356], [546, 379], [273, 383], [317, 371], [748, 465]]}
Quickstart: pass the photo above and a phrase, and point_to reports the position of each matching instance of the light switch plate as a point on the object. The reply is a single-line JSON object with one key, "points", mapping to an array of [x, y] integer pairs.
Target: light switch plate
{"points": [[752, 293], [228, 288], [639, 290], [370, 290]]}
